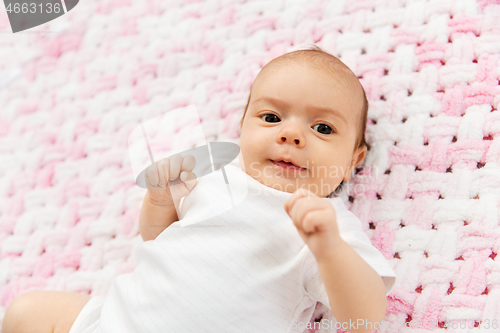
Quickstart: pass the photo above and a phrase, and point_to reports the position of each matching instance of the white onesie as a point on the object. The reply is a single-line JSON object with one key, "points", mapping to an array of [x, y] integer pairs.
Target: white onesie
{"points": [[225, 268]]}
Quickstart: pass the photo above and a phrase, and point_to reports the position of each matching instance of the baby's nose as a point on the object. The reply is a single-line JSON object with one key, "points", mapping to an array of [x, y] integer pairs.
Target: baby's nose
{"points": [[292, 134], [296, 141]]}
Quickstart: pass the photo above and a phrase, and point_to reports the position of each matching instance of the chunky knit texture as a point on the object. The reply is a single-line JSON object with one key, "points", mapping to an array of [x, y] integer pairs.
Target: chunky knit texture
{"points": [[428, 192]]}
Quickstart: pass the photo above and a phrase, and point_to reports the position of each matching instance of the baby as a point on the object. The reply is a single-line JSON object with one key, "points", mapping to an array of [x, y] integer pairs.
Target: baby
{"points": [[264, 264]]}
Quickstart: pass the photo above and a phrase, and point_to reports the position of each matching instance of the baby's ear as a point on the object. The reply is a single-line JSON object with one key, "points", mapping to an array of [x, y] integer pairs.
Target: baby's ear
{"points": [[357, 157]]}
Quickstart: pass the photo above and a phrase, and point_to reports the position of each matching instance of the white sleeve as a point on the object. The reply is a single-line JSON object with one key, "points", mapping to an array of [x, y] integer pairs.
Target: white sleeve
{"points": [[352, 233]]}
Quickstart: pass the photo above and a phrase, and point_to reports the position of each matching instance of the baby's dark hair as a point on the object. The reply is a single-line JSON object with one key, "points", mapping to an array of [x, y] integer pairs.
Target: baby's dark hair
{"points": [[332, 64]]}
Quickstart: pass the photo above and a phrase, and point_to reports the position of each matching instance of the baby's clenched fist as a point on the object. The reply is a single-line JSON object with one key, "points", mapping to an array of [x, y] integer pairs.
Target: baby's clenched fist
{"points": [[315, 220], [170, 179]]}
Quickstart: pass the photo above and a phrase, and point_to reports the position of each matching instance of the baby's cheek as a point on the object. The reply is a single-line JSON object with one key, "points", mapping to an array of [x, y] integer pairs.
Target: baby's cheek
{"points": [[246, 156], [243, 141], [243, 148], [249, 145]]}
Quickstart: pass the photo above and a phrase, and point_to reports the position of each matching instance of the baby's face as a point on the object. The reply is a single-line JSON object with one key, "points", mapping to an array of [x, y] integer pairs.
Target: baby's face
{"points": [[287, 120]]}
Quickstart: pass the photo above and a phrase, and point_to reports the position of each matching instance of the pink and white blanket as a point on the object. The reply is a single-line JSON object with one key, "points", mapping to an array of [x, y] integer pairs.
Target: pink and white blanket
{"points": [[428, 192]]}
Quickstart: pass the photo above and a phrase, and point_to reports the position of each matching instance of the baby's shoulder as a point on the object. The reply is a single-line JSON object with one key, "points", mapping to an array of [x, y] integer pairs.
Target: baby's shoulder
{"points": [[339, 205], [345, 218]]}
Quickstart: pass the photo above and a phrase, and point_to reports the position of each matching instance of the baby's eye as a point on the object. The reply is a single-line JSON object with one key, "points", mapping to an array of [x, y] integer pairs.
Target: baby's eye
{"points": [[323, 129], [270, 118]]}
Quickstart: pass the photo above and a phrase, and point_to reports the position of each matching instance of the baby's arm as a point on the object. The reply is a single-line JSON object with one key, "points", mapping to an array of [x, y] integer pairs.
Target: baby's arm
{"points": [[155, 218], [158, 209], [355, 290]]}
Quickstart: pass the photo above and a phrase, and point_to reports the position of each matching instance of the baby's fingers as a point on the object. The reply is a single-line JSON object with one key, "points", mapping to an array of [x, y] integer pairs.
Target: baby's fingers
{"points": [[188, 163], [189, 179], [152, 175], [300, 193], [175, 166], [180, 164], [163, 170], [186, 176]]}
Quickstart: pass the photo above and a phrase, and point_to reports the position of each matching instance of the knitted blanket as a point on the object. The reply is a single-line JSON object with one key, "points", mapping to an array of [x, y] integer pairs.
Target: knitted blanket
{"points": [[428, 192]]}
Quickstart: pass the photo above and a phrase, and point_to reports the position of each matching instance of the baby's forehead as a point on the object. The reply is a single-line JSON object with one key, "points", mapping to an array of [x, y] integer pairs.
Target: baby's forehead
{"points": [[332, 69], [328, 69]]}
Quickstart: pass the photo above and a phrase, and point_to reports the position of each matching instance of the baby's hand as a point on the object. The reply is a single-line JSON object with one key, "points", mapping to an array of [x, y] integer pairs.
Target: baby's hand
{"points": [[315, 221], [176, 169]]}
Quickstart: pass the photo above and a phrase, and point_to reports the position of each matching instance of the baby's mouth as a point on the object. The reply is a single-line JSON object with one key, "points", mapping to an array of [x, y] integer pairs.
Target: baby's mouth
{"points": [[287, 165]]}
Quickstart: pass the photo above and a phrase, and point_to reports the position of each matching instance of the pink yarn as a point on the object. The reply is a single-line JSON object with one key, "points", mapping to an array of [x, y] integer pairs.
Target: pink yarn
{"points": [[427, 193], [484, 3]]}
